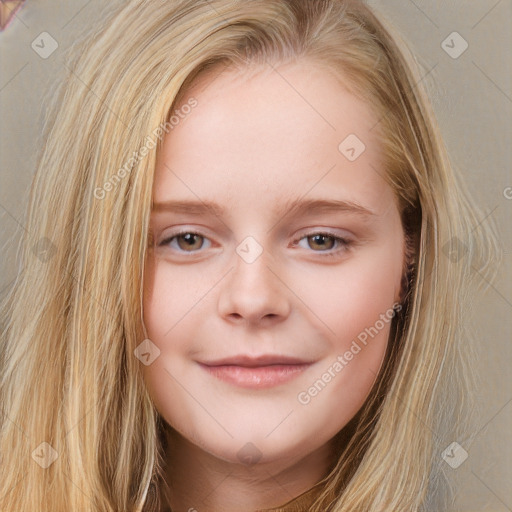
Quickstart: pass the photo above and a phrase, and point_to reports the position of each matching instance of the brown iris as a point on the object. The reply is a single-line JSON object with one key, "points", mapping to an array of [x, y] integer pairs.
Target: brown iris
{"points": [[319, 239], [190, 241]]}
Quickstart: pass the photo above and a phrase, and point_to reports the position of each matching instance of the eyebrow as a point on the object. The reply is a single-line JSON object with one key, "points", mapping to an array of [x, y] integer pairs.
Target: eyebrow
{"points": [[293, 207]]}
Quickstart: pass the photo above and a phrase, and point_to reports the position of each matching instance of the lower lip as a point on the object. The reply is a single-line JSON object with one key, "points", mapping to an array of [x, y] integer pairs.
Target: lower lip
{"points": [[258, 377]]}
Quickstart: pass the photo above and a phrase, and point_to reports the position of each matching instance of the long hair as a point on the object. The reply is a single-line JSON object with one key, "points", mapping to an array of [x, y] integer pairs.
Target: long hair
{"points": [[78, 428]]}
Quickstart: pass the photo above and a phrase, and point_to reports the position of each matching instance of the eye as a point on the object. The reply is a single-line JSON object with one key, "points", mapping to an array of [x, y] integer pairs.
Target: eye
{"points": [[325, 242], [186, 241], [322, 242]]}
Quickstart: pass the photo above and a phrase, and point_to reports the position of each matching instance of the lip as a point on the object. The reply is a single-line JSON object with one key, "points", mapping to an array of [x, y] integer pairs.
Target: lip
{"points": [[256, 372], [256, 361]]}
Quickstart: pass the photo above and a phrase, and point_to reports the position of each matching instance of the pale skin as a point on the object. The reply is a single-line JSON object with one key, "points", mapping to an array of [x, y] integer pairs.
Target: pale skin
{"points": [[255, 142]]}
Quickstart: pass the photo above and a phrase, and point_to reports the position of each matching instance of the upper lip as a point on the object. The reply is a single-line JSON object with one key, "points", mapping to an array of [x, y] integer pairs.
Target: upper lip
{"points": [[255, 361]]}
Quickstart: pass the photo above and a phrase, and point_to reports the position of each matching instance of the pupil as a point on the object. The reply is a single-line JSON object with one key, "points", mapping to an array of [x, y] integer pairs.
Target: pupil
{"points": [[319, 240], [190, 239]]}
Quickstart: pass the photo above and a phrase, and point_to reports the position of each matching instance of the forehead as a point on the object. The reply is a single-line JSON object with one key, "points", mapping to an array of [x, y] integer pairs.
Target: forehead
{"points": [[273, 133]]}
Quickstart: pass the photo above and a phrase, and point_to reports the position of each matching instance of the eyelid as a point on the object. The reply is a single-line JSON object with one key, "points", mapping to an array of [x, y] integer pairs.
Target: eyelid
{"points": [[323, 231]]}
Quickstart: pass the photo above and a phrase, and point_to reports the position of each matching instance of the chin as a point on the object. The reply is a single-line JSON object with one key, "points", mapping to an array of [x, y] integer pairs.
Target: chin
{"points": [[251, 445]]}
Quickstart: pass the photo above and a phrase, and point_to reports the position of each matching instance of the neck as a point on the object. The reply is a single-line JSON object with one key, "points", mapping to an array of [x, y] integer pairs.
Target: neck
{"points": [[198, 480]]}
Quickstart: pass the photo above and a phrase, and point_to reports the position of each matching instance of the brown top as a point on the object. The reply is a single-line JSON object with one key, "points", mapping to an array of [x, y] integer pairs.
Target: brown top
{"points": [[298, 504]]}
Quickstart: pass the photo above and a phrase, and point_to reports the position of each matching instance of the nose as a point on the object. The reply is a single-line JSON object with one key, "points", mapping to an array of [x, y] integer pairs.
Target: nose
{"points": [[254, 293]]}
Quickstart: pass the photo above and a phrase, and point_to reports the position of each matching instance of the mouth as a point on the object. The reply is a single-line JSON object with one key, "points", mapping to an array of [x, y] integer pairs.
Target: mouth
{"points": [[256, 372]]}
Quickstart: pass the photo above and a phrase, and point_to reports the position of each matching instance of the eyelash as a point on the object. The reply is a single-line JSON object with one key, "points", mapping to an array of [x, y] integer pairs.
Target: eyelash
{"points": [[345, 243]]}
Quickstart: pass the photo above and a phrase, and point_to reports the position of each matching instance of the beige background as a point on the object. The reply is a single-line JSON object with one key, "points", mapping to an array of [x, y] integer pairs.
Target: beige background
{"points": [[472, 96]]}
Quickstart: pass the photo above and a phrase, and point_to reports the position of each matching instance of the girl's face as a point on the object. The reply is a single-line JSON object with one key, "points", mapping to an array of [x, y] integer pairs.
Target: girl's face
{"points": [[277, 258]]}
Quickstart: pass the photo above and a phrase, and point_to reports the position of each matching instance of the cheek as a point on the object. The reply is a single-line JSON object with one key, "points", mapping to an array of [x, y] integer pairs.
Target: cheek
{"points": [[351, 296], [359, 314], [172, 297], [169, 296], [338, 391]]}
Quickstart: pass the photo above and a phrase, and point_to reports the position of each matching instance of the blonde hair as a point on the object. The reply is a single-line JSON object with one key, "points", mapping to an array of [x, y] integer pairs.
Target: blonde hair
{"points": [[73, 318]]}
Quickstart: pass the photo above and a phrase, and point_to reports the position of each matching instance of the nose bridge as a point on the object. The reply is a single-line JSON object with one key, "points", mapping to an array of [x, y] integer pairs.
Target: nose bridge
{"points": [[253, 291], [253, 265]]}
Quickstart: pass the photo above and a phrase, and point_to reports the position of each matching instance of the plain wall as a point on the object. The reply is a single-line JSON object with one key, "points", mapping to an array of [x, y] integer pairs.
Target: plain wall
{"points": [[472, 98]]}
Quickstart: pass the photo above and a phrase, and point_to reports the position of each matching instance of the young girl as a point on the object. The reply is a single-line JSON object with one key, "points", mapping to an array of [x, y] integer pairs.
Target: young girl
{"points": [[245, 272]]}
